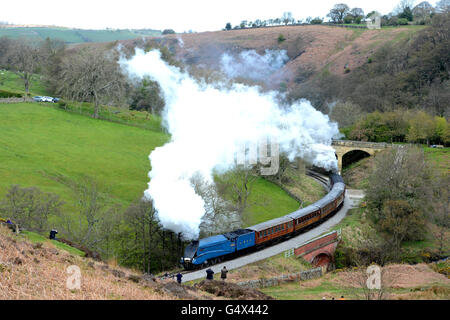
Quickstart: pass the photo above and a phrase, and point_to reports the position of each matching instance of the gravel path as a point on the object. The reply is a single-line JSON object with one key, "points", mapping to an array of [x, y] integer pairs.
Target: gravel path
{"points": [[352, 197]]}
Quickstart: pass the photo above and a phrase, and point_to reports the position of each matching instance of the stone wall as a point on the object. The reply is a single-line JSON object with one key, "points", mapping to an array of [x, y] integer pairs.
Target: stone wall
{"points": [[271, 282], [15, 100]]}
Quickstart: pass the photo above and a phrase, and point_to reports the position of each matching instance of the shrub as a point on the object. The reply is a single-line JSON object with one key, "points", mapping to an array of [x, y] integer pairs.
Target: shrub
{"points": [[281, 38], [402, 21], [62, 104], [9, 94], [168, 31]]}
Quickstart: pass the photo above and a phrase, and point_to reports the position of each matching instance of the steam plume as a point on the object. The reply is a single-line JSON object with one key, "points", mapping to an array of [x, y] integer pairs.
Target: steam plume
{"points": [[251, 65], [208, 125]]}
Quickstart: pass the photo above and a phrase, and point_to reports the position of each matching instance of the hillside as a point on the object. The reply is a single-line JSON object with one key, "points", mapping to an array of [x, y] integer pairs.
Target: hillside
{"points": [[41, 271], [61, 152], [74, 35], [46, 147], [43, 146], [320, 48]]}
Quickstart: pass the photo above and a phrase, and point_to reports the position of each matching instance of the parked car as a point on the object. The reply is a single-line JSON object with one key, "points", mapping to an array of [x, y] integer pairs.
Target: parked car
{"points": [[45, 99]]}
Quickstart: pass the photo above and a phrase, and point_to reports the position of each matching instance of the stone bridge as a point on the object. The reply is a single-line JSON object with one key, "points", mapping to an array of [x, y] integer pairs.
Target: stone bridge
{"points": [[345, 147], [319, 251]]}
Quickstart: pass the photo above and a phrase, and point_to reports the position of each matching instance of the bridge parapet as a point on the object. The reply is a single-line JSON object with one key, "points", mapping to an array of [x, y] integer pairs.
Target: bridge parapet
{"points": [[343, 146], [360, 144], [319, 251]]}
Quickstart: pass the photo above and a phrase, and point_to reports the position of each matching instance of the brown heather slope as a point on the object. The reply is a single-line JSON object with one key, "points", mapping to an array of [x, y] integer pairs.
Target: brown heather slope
{"points": [[325, 48], [36, 271], [40, 272]]}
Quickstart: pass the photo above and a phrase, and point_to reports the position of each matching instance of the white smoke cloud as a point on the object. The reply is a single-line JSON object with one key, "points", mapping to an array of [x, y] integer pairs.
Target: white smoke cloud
{"points": [[208, 124], [180, 41], [251, 65]]}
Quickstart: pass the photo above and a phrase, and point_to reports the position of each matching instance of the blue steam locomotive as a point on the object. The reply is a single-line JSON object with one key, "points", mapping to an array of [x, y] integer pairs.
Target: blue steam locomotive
{"points": [[212, 250]]}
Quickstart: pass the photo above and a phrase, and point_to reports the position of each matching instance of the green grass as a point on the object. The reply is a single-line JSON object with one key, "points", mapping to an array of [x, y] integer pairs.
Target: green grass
{"points": [[272, 267], [9, 81], [42, 144], [39, 143], [270, 202], [438, 158], [75, 35], [293, 291], [37, 238], [141, 119]]}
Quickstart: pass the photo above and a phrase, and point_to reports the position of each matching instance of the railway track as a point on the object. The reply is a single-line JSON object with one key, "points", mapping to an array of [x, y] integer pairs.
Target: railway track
{"points": [[322, 179]]}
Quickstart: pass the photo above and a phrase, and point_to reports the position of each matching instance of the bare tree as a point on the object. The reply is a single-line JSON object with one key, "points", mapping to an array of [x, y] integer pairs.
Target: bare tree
{"points": [[402, 5], [237, 184], [220, 214], [142, 216], [338, 12], [441, 209], [443, 6], [346, 114], [91, 75], [30, 207], [398, 194], [85, 227], [52, 51], [287, 18], [357, 12], [23, 58]]}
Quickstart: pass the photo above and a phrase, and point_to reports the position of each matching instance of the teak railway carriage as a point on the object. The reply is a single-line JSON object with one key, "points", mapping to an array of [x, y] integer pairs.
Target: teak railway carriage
{"points": [[214, 249]]}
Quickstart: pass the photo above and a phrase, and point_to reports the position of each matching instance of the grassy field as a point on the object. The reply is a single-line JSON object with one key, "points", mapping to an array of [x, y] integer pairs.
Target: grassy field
{"points": [[438, 158], [37, 238], [10, 81], [269, 202], [40, 143], [75, 35], [46, 147]]}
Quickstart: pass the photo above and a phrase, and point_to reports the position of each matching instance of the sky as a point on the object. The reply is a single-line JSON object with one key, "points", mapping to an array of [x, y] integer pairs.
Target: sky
{"points": [[179, 15]]}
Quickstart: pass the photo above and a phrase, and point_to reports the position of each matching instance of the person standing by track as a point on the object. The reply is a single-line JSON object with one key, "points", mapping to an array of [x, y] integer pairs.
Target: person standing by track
{"points": [[223, 273]]}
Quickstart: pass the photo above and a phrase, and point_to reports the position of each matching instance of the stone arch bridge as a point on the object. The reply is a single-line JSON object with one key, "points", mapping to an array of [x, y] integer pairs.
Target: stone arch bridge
{"points": [[344, 147], [319, 251]]}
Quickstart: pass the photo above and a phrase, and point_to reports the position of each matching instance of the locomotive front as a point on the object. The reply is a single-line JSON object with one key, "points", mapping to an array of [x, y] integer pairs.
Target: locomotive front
{"points": [[189, 254]]}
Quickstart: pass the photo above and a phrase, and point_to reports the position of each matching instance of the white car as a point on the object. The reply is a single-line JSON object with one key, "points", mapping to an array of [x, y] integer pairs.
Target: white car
{"points": [[47, 99]]}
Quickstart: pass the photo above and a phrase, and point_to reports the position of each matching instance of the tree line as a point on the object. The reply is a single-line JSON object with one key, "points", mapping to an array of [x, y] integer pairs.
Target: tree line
{"points": [[411, 74], [413, 126], [405, 13], [132, 235], [87, 74], [405, 201]]}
